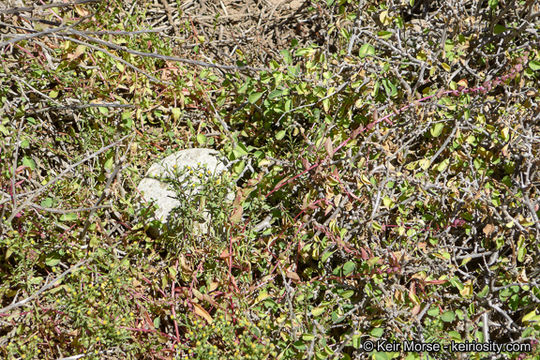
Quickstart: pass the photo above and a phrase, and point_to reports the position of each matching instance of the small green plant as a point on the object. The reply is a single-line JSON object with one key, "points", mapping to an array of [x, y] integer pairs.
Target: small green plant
{"points": [[201, 220], [225, 338]]}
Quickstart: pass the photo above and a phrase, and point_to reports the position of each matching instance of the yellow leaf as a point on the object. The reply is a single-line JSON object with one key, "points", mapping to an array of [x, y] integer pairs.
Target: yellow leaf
{"points": [[78, 52], [293, 276], [213, 286], [81, 11], [199, 310], [463, 82], [197, 294], [424, 164], [385, 19], [443, 165], [421, 55], [414, 298], [531, 317], [317, 311], [176, 112], [488, 229], [467, 290], [237, 214], [337, 199], [365, 180], [326, 105], [262, 296], [329, 147]]}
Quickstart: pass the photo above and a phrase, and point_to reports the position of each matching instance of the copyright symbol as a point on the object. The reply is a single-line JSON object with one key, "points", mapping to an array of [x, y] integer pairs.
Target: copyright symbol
{"points": [[367, 345]]}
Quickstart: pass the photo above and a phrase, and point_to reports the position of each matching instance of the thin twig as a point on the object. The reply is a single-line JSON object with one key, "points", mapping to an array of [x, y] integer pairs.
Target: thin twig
{"points": [[165, 57], [43, 288], [46, 6], [45, 32], [68, 211], [102, 196], [128, 64], [59, 176]]}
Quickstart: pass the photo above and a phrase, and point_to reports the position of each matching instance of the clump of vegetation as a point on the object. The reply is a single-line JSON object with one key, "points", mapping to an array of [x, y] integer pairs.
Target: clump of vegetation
{"points": [[384, 167]]}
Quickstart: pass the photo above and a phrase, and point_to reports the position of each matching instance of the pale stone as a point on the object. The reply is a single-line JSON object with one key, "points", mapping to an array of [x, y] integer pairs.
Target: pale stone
{"points": [[155, 191]]}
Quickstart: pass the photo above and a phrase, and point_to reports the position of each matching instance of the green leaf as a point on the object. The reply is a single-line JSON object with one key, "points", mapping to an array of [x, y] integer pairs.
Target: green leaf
{"points": [[448, 316], [303, 51], [254, 97], [437, 129], [286, 56], [357, 341], [243, 88], [389, 87], [365, 50], [176, 112], [239, 167], [433, 311], [68, 217], [281, 134], [240, 150], [326, 104], [381, 356], [443, 165], [373, 261], [455, 281], [349, 267], [534, 65], [47, 202], [201, 139], [52, 259], [499, 29], [493, 4], [288, 105], [385, 34], [109, 162], [27, 161], [317, 311], [274, 94], [326, 255], [377, 332], [376, 87]]}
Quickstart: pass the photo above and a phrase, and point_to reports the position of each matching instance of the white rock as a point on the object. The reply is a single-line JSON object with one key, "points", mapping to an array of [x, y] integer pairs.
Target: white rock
{"points": [[154, 190]]}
